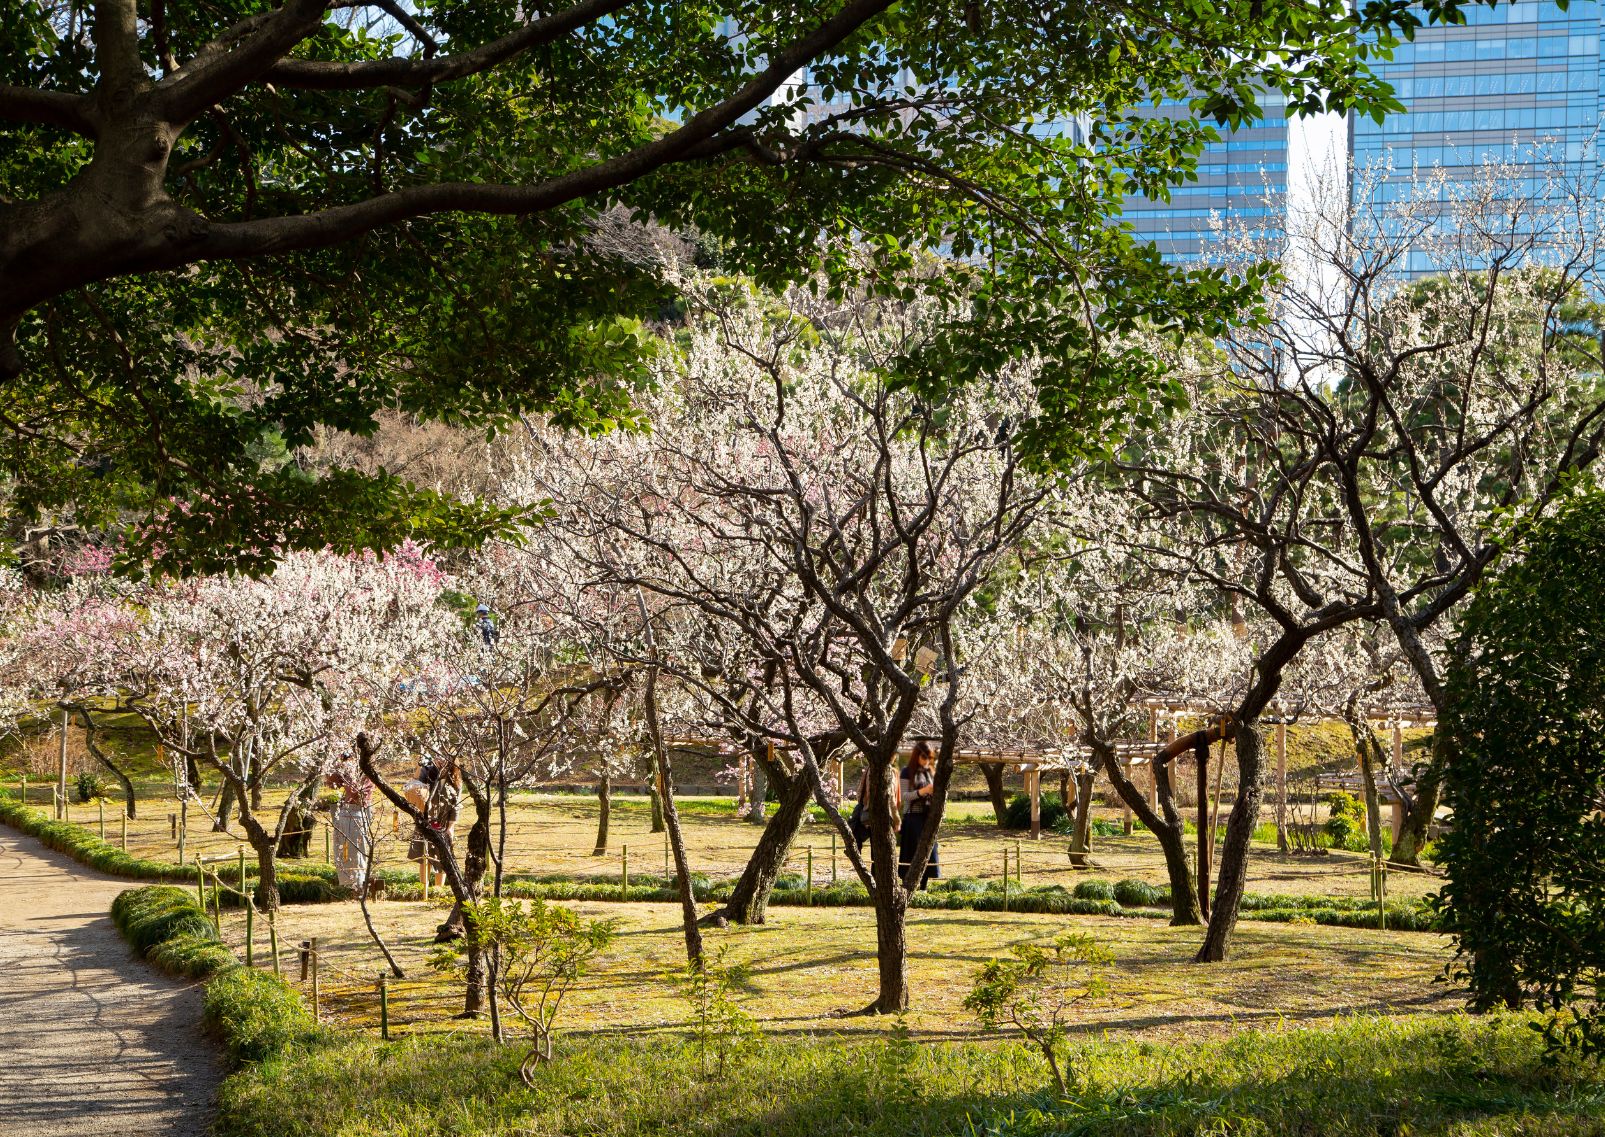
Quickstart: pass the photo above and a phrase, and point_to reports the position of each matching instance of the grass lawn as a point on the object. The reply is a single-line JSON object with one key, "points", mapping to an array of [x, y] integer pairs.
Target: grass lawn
{"points": [[810, 964], [1427, 1076]]}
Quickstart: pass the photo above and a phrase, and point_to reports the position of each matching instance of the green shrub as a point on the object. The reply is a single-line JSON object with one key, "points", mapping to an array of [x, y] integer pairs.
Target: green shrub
{"points": [[90, 786], [1133, 893], [167, 926], [256, 1014], [1018, 815], [1345, 823], [1095, 890]]}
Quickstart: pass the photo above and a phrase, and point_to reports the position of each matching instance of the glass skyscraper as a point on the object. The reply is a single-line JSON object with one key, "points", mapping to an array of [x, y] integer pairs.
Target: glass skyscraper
{"points": [[1517, 85], [1241, 179]]}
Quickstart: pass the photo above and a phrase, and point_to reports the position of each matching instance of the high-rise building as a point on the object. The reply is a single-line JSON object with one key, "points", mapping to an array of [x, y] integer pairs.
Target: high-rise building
{"points": [[1242, 179], [1517, 85]]}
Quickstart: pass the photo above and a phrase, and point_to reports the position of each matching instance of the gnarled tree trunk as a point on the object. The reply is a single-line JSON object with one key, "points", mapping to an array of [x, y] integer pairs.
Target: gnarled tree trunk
{"points": [[1234, 852], [604, 801], [993, 773], [748, 903]]}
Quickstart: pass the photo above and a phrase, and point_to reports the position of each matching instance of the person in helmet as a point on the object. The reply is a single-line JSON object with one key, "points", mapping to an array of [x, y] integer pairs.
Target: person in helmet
{"points": [[485, 623]]}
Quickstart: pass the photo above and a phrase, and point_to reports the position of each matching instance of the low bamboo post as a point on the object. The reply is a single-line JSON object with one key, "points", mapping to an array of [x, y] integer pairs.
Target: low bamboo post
{"points": [[665, 854], [250, 933], [306, 958], [200, 883], [808, 889], [100, 804], [317, 989], [384, 1006], [1005, 878], [624, 872], [25, 787], [217, 905], [1017, 878], [273, 942], [241, 851], [833, 857]]}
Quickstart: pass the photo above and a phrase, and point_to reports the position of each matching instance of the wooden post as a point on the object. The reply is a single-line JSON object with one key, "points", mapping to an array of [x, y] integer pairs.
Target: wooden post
{"points": [[250, 933], [200, 883], [808, 889], [244, 895], [1033, 783], [306, 958], [61, 771], [273, 941], [317, 989], [217, 905], [832, 856], [1005, 878], [172, 824], [624, 872], [1017, 878], [665, 852], [25, 787], [100, 804], [384, 1006], [1281, 787], [328, 857], [125, 831]]}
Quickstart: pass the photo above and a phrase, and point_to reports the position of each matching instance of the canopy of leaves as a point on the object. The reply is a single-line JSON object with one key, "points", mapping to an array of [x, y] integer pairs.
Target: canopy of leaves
{"points": [[428, 207]]}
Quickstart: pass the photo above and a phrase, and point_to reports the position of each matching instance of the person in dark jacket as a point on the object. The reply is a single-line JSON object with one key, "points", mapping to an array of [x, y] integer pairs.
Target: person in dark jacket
{"points": [[917, 784]]}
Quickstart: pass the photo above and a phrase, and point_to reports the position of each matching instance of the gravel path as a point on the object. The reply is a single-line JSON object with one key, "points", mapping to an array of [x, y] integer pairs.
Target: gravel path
{"points": [[92, 1041]]}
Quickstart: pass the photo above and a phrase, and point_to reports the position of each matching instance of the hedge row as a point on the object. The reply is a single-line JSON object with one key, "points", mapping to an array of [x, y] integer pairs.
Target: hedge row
{"points": [[1131, 898], [167, 926], [311, 885], [255, 1013]]}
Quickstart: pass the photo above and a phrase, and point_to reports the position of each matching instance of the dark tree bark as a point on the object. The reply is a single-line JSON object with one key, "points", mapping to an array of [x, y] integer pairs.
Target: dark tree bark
{"points": [[749, 902], [1081, 834], [225, 805], [1234, 852], [104, 760], [671, 818], [604, 801], [993, 773], [1419, 808], [655, 794]]}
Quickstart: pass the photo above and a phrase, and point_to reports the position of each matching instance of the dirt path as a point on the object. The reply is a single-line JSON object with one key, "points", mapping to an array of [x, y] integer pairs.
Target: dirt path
{"points": [[92, 1041]]}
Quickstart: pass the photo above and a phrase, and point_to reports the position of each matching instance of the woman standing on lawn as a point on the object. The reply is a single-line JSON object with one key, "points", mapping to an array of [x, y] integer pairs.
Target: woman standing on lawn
{"points": [[917, 783]]}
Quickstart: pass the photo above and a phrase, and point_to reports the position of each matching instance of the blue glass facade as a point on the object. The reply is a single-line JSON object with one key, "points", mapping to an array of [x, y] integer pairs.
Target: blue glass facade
{"points": [[1517, 84], [1242, 178]]}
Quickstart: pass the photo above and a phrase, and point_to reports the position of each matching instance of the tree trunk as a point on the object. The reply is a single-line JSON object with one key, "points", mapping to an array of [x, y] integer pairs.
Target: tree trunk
{"points": [[656, 796], [1081, 834], [1234, 852], [1418, 821], [267, 874], [1065, 798], [101, 757], [1166, 825], [749, 902], [891, 941], [671, 818], [757, 808], [256, 796], [224, 805], [993, 773], [604, 801]]}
